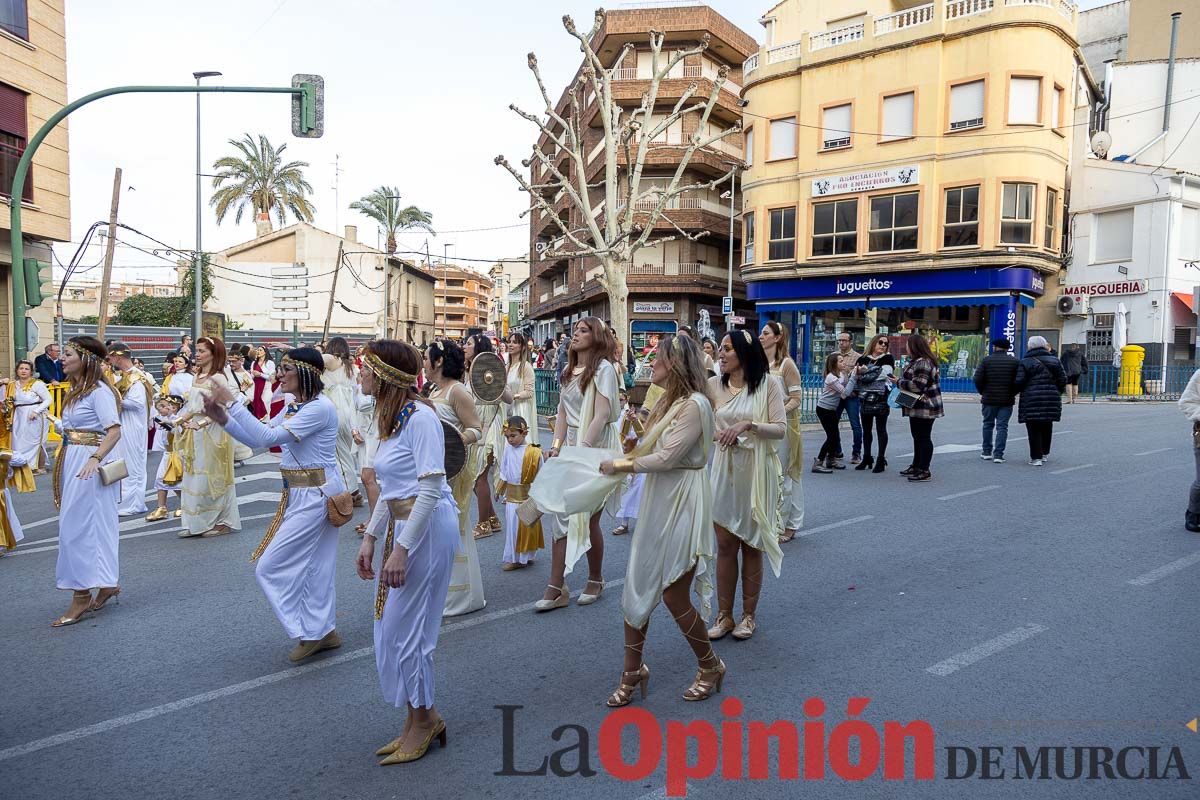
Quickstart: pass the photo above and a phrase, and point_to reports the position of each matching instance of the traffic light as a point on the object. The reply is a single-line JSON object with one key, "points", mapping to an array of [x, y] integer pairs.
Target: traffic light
{"points": [[308, 107], [39, 277]]}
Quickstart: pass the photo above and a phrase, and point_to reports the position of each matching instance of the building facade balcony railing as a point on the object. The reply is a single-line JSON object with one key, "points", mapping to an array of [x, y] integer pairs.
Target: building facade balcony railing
{"points": [[908, 18], [850, 33], [560, 290]]}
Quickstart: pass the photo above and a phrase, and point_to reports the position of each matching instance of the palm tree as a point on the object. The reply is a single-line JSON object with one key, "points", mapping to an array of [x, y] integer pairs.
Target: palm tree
{"points": [[259, 177], [381, 206]]}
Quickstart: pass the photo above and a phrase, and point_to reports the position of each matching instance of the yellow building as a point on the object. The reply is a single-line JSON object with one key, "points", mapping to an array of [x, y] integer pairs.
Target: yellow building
{"points": [[908, 169], [33, 86]]}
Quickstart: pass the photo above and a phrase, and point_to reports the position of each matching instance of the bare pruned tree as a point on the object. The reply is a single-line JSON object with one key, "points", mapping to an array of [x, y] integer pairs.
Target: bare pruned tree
{"points": [[613, 229]]}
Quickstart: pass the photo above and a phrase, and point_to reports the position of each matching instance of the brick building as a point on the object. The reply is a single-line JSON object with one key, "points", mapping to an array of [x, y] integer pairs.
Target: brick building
{"points": [[669, 284]]}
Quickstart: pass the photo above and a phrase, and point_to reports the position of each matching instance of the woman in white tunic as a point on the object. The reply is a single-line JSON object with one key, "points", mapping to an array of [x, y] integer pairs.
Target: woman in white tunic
{"points": [[366, 442], [589, 406], [208, 496], [179, 381], [520, 385], [297, 556], [675, 543], [10, 526], [137, 395], [746, 477], [339, 387], [455, 405], [417, 516], [88, 525], [774, 340], [31, 401], [490, 447]]}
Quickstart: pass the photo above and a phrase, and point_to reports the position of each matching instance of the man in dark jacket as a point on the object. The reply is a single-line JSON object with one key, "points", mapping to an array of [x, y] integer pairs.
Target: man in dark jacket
{"points": [[1040, 381], [48, 366], [995, 381]]}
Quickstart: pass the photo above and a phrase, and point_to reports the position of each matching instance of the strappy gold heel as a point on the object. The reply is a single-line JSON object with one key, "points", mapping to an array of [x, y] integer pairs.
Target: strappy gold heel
{"points": [[64, 620], [708, 682], [103, 596], [399, 756], [623, 696]]}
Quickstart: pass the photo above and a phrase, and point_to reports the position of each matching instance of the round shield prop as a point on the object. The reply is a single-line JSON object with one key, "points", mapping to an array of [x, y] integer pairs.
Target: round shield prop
{"points": [[487, 377], [456, 451]]}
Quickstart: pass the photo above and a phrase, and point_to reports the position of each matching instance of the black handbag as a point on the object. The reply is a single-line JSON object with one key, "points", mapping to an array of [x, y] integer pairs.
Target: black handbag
{"points": [[871, 403]]}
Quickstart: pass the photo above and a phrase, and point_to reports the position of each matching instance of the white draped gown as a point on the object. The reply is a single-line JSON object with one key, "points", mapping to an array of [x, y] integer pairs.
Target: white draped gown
{"points": [[135, 421], [521, 385], [296, 572], [788, 376], [29, 435], [466, 580], [87, 515], [339, 388]]}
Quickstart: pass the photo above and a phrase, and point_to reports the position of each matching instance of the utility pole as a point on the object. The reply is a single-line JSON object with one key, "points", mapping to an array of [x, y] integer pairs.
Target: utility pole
{"points": [[102, 322], [333, 290]]}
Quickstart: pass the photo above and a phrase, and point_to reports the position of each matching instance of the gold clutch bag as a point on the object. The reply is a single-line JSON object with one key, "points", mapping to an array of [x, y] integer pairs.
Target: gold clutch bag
{"points": [[528, 512], [113, 471]]}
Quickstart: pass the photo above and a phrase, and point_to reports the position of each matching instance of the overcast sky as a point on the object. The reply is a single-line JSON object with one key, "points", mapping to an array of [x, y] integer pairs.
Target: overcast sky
{"points": [[417, 97]]}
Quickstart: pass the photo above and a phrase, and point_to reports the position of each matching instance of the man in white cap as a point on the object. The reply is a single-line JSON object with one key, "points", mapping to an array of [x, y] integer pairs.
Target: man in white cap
{"points": [[137, 394]]}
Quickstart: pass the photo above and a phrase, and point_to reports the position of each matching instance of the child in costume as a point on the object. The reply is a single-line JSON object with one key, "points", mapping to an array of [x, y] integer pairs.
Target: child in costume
{"points": [[518, 467], [170, 467]]}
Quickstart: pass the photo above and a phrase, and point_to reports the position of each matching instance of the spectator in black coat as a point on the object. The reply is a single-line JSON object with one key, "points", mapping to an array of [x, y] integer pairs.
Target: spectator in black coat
{"points": [[995, 380], [48, 365], [1040, 380], [1075, 364]]}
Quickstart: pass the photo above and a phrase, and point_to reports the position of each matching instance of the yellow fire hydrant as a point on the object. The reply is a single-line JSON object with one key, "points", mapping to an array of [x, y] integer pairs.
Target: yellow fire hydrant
{"points": [[1132, 357]]}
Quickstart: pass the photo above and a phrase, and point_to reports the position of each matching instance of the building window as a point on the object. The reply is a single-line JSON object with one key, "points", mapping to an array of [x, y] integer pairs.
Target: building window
{"points": [[14, 18], [835, 228], [898, 111], [749, 146], [1024, 101], [835, 127], [966, 105], [961, 226], [1113, 233], [893, 224], [1051, 220], [1056, 107], [748, 238], [1189, 246], [781, 244], [945, 313], [782, 139], [962, 313], [1099, 347], [1016, 213], [12, 139]]}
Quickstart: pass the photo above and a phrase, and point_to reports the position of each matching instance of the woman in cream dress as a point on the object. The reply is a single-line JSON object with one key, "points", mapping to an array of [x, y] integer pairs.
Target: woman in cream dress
{"points": [[31, 401], [746, 477], [489, 448], [417, 519], [455, 404], [774, 340], [520, 385], [589, 406], [674, 545], [339, 388], [208, 496], [88, 524]]}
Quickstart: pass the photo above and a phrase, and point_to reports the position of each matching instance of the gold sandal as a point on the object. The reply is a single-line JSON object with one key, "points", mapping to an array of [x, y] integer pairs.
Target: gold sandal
{"points": [[623, 696], [494, 524], [483, 530], [64, 620], [787, 536], [103, 596], [399, 756], [722, 626], [708, 682]]}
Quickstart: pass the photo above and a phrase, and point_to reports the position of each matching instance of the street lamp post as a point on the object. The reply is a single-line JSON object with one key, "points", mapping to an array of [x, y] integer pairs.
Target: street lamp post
{"points": [[445, 286], [197, 259]]}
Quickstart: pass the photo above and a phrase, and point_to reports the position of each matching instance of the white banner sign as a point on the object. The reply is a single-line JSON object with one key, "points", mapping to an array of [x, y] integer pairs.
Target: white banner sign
{"points": [[654, 308], [865, 181], [1104, 289], [289, 271]]}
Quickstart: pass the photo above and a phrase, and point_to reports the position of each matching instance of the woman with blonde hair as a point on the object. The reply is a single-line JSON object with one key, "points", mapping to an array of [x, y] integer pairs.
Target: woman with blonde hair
{"points": [[746, 477], [88, 523], [677, 546], [208, 496], [774, 339], [415, 515], [589, 406]]}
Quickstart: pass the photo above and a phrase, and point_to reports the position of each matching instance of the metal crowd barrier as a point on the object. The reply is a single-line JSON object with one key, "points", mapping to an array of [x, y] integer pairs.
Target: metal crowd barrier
{"points": [[1145, 382]]}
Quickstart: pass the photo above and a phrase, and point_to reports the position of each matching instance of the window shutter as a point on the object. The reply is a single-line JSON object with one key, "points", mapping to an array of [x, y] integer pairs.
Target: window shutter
{"points": [[783, 138], [836, 126], [1114, 235], [898, 116], [12, 111], [966, 105], [1024, 100]]}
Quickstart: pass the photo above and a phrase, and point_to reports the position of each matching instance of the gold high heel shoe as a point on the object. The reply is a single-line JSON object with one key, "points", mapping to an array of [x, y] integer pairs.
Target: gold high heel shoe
{"points": [[159, 513], [64, 620], [722, 626], [103, 596], [399, 756], [623, 696], [708, 682]]}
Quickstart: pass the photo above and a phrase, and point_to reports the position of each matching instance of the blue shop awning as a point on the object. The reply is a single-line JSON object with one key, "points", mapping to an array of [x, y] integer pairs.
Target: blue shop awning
{"points": [[652, 326], [994, 299], [825, 304]]}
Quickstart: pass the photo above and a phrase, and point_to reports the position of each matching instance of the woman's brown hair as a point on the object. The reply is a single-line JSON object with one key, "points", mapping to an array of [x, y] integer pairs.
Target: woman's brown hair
{"points": [[686, 374], [781, 346], [870, 351], [390, 398], [601, 351], [918, 348], [526, 354], [217, 348], [92, 353]]}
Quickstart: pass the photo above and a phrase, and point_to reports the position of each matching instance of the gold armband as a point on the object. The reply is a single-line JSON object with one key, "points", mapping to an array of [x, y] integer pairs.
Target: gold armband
{"points": [[557, 444], [623, 465]]}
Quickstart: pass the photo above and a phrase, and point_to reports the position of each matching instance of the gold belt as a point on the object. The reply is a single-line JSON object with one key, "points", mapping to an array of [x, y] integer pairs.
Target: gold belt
{"points": [[85, 438], [516, 493], [304, 478], [401, 509]]}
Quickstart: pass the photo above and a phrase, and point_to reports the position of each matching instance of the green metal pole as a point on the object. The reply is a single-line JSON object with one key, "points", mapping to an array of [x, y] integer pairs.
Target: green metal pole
{"points": [[20, 343]]}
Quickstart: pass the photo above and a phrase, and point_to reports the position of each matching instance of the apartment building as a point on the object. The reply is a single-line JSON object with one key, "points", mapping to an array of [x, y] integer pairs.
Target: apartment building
{"points": [[506, 275], [81, 299], [463, 299], [671, 283], [33, 86], [909, 167]]}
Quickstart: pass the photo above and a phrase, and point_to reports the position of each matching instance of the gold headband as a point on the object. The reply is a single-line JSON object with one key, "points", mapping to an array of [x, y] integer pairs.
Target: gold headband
{"points": [[506, 429], [288, 361], [389, 374], [82, 353]]}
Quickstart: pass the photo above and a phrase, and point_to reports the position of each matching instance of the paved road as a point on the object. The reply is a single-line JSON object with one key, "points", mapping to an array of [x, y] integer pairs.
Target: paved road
{"points": [[1006, 605]]}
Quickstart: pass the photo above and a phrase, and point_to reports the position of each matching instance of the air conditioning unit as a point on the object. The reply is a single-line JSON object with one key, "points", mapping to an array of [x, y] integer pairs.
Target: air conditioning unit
{"points": [[1072, 306]]}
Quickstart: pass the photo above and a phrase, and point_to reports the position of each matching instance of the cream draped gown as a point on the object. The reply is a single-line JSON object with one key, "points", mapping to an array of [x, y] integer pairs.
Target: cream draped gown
{"points": [[466, 579], [791, 446], [136, 398], [675, 523], [746, 478], [208, 496], [521, 385], [339, 388]]}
